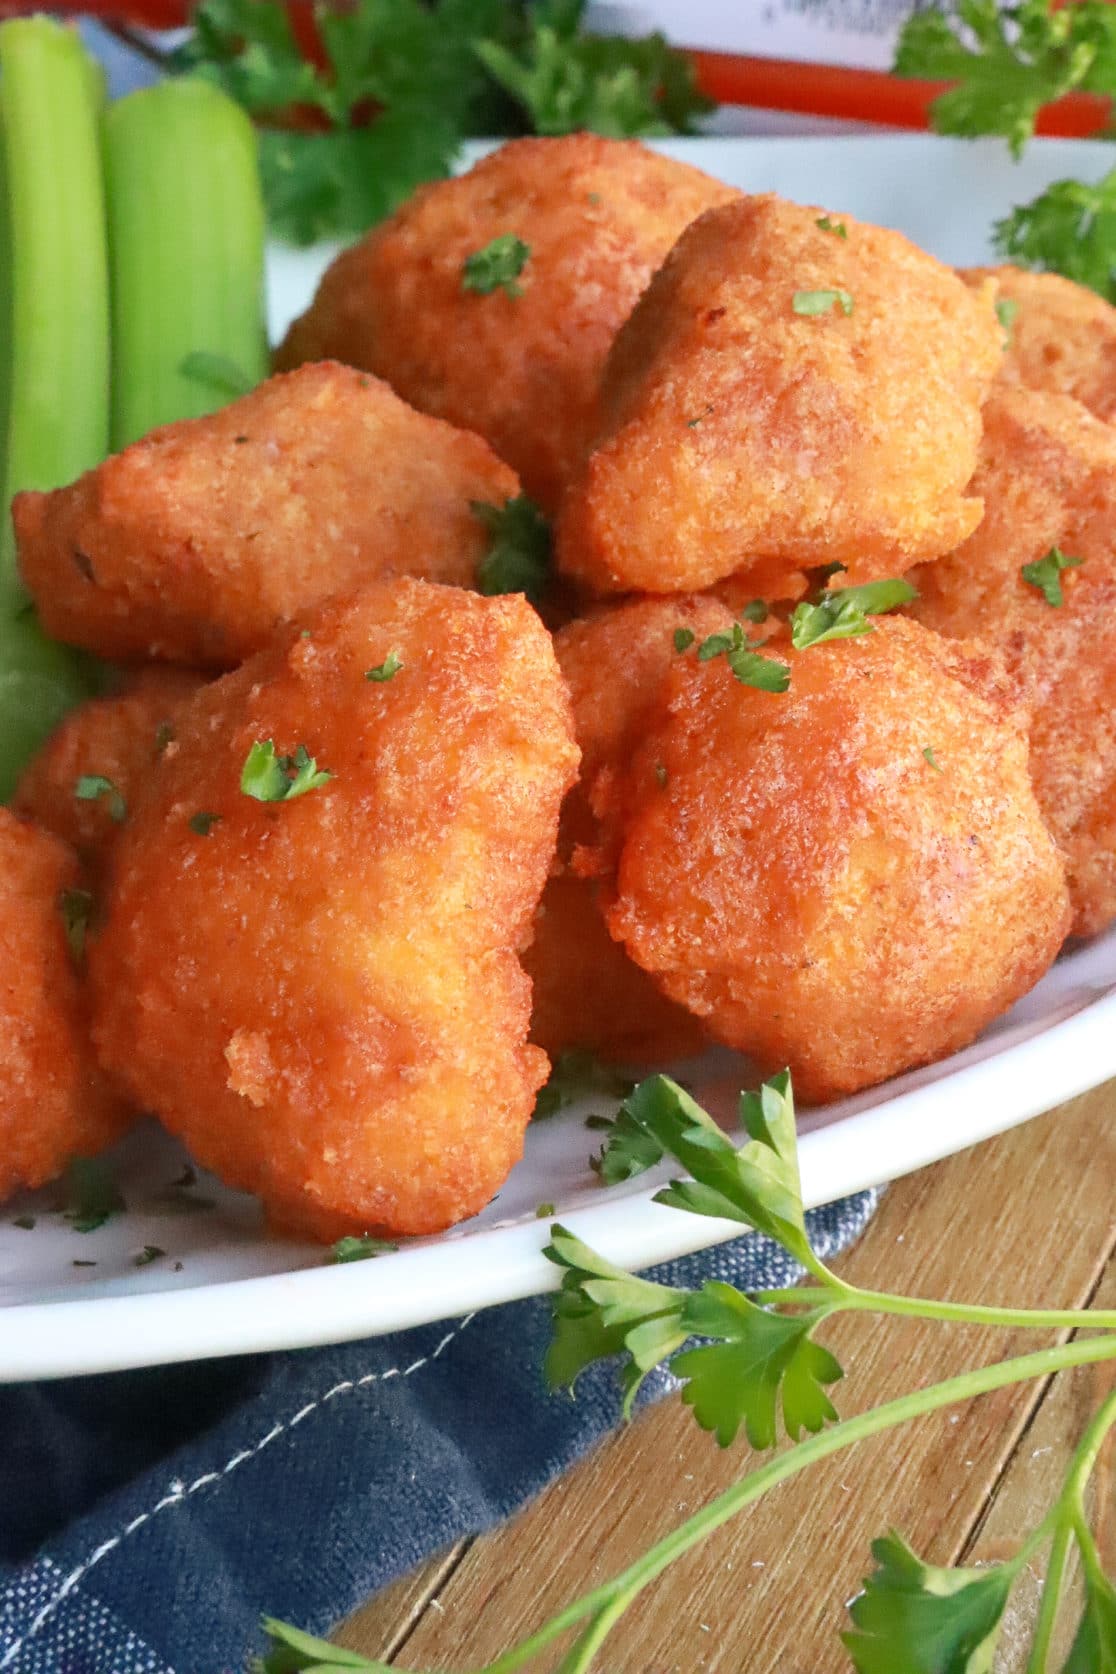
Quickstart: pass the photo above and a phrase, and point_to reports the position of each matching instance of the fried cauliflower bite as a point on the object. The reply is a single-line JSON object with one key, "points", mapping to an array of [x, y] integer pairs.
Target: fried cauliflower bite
{"points": [[322, 996], [784, 396], [587, 992], [195, 544], [598, 216], [1061, 337], [815, 887], [54, 1102], [1047, 475], [118, 738]]}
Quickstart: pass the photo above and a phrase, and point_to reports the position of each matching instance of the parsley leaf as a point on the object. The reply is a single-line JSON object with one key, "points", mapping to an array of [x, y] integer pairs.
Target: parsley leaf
{"points": [[1045, 574], [822, 302], [576, 1074], [762, 1355], [755, 611], [385, 670], [1070, 229], [565, 80], [267, 777], [1006, 310], [76, 907], [90, 787], [683, 639], [201, 824], [91, 1194], [925, 1620], [360, 1249], [929, 756], [496, 266], [518, 556], [1094, 1644], [843, 614], [766, 674], [1007, 62], [837, 228], [216, 372], [149, 1253], [292, 1650], [628, 1150], [25, 1223]]}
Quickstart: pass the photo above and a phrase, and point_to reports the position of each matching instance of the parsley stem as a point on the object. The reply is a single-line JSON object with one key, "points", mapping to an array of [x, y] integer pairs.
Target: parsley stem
{"points": [[917, 1307], [1070, 1522], [608, 1602]]}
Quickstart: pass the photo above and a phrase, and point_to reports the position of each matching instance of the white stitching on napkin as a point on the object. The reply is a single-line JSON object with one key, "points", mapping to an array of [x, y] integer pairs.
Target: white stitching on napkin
{"points": [[180, 1491]]}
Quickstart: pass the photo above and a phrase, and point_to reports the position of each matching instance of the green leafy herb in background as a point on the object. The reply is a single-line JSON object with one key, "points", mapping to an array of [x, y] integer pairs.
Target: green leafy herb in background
{"points": [[405, 82], [759, 1370], [1005, 64]]}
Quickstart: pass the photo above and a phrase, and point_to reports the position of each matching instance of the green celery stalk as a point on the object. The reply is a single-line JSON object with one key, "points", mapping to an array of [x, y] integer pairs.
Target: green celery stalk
{"points": [[54, 347], [186, 242]]}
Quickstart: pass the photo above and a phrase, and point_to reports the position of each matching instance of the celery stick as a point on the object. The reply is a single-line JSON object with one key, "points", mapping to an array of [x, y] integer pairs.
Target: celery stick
{"points": [[39, 681], [186, 236], [57, 313]]}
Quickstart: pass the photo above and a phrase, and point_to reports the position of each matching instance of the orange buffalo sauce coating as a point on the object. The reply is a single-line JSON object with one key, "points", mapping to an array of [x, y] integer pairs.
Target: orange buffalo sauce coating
{"points": [[322, 996]]}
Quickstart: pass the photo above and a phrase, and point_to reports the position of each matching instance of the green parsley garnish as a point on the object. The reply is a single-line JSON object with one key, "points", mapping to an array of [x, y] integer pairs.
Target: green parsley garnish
{"points": [[844, 614], [544, 1211], [822, 302], [83, 1264], [755, 611], [90, 787], [76, 907], [518, 556], [267, 777], [577, 1074], [25, 1223], [164, 735], [838, 228], [929, 754], [661, 775], [149, 1253], [384, 671], [766, 674], [202, 824], [1046, 574], [1006, 310], [91, 1194], [496, 267], [360, 1249], [180, 1194], [218, 373], [692, 424], [683, 639]]}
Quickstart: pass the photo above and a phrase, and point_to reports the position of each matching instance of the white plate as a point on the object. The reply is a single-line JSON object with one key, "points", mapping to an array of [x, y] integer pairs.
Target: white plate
{"points": [[223, 1287]]}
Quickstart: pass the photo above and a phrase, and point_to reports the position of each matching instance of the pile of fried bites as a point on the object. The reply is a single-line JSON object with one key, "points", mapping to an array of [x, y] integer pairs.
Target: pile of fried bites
{"points": [[363, 842]]}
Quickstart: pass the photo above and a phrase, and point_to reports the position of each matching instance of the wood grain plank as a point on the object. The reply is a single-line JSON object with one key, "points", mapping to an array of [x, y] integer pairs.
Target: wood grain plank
{"points": [[383, 1624], [1026, 1217]]}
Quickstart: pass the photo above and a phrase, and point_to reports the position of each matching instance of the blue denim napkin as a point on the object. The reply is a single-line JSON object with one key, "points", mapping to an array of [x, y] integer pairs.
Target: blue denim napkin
{"points": [[148, 1518]]}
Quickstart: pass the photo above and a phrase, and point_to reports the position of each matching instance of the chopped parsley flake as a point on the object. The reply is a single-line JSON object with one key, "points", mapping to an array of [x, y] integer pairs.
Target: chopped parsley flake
{"points": [[544, 1211], [149, 1253], [751, 668], [755, 611], [83, 1264], [683, 639], [360, 1249], [1046, 574], [76, 907], [91, 1194], [25, 1223], [90, 787], [497, 266], [575, 1074], [1006, 310], [267, 777], [691, 424], [384, 671], [518, 556], [202, 824], [661, 775], [821, 302], [164, 735], [929, 754], [837, 228], [844, 614]]}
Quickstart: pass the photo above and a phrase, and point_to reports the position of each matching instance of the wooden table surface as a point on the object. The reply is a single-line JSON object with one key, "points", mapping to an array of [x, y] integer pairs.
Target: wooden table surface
{"points": [[1028, 1219]]}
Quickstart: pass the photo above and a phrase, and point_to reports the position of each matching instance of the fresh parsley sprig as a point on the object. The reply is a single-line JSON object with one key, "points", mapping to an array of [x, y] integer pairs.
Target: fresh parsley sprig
{"points": [[267, 777], [1069, 229], [760, 1370], [748, 665], [844, 613]]}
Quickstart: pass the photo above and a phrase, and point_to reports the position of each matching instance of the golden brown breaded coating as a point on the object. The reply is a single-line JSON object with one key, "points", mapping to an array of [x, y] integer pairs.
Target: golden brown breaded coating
{"points": [[1047, 475], [322, 995], [599, 215], [197, 542], [816, 889], [1062, 337], [119, 738], [739, 428], [588, 993], [54, 1102]]}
